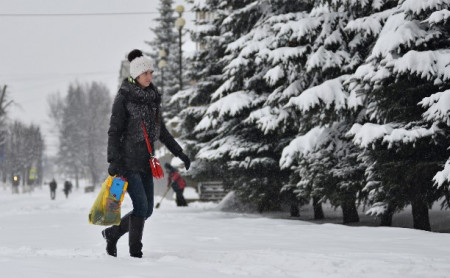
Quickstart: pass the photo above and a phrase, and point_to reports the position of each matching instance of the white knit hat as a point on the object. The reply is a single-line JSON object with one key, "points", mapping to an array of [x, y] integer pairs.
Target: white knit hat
{"points": [[140, 65]]}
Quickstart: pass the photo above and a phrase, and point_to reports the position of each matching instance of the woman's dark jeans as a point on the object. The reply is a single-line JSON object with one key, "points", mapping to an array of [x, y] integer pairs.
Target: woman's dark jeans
{"points": [[140, 189]]}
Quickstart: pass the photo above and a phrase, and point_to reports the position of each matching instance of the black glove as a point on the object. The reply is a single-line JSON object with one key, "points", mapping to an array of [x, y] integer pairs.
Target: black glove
{"points": [[113, 170], [186, 160]]}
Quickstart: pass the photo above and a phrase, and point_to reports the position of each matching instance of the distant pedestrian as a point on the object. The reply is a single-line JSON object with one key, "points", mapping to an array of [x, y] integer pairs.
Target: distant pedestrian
{"points": [[67, 188], [177, 183], [53, 186]]}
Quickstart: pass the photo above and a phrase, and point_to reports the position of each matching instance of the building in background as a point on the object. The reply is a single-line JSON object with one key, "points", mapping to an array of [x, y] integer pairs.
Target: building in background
{"points": [[124, 71]]}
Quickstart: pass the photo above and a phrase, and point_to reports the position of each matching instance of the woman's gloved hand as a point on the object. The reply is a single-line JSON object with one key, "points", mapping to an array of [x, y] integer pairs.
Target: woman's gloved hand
{"points": [[186, 160], [113, 170]]}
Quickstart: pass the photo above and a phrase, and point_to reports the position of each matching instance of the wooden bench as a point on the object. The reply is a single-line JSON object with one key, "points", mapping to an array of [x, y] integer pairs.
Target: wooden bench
{"points": [[211, 191]]}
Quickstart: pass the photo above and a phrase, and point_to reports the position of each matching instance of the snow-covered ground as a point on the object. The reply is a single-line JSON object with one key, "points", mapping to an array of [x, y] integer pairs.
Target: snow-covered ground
{"points": [[44, 238]]}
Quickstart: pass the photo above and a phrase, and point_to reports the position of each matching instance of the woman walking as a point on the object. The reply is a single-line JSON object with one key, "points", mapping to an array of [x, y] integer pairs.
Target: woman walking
{"points": [[138, 101]]}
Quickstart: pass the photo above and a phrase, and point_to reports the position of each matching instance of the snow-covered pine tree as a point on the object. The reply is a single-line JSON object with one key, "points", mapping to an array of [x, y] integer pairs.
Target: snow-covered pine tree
{"points": [[272, 64], [405, 131], [249, 155], [438, 104], [166, 38], [229, 107], [323, 161], [205, 68]]}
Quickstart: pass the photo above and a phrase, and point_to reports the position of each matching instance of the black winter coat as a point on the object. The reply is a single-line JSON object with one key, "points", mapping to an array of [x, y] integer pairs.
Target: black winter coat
{"points": [[127, 149]]}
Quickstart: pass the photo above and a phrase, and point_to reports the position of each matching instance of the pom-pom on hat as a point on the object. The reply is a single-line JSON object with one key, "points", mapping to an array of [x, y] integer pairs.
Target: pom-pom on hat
{"points": [[139, 63]]}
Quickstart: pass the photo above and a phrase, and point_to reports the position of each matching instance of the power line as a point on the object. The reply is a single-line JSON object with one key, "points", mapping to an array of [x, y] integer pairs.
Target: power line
{"points": [[49, 76], [78, 14]]}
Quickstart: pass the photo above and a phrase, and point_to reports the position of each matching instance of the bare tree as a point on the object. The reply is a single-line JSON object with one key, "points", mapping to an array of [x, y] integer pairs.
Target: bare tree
{"points": [[4, 104], [81, 120]]}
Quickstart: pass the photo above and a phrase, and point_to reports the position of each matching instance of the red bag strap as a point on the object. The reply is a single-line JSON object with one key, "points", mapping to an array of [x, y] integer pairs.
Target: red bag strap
{"points": [[149, 147]]}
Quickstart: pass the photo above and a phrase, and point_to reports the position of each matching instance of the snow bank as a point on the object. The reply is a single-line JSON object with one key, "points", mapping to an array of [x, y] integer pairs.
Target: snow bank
{"points": [[232, 203], [52, 239]]}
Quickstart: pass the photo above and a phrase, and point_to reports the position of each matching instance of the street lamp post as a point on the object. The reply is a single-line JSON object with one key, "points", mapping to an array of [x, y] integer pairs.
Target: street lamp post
{"points": [[179, 24], [162, 64]]}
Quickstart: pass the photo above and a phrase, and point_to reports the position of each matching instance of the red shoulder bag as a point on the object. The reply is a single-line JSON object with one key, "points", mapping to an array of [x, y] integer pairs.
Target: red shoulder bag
{"points": [[155, 165]]}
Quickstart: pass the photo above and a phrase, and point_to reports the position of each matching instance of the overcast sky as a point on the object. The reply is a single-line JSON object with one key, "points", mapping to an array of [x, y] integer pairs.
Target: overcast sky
{"points": [[42, 55]]}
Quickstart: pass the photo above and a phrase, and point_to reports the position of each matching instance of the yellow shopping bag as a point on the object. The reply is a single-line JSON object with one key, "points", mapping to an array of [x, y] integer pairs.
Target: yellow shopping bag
{"points": [[106, 208]]}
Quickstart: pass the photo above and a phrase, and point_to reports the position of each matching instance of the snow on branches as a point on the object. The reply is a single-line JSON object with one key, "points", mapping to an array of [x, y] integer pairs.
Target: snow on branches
{"points": [[430, 65], [268, 118], [329, 93], [274, 75], [232, 146], [232, 104], [326, 59], [438, 105], [419, 6], [443, 176], [398, 31], [370, 25], [367, 134], [303, 145], [438, 17]]}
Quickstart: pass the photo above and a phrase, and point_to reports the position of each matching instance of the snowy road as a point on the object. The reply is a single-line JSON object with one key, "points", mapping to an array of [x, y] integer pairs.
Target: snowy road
{"points": [[43, 238]]}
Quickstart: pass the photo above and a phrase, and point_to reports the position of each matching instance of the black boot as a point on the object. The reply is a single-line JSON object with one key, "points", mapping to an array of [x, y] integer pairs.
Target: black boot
{"points": [[113, 233], [135, 235]]}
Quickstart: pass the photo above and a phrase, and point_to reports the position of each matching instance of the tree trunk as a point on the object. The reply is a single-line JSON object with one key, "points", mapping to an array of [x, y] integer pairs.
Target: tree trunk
{"points": [[94, 177], [420, 215], [24, 178], [260, 207], [349, 211], [318, 211], [76, 178], [386, 217], [295, 211]]}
